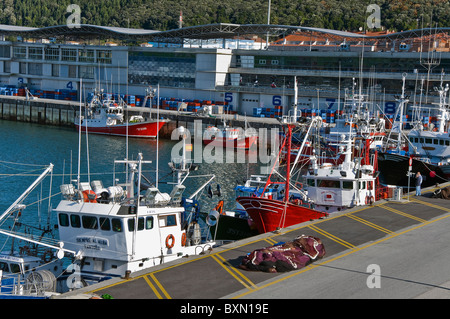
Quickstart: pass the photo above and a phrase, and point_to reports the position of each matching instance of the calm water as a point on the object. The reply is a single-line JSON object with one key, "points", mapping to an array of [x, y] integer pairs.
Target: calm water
{"points": [[36, 146]]}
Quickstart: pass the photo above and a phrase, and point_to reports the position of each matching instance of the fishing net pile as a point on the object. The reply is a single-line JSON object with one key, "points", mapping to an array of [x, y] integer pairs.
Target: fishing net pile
{"points": [[443, 193], [285, 256]]}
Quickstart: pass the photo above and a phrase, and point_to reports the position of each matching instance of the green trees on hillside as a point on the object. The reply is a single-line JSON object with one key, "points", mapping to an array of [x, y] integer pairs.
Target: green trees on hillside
{"points": [[164, 14]]}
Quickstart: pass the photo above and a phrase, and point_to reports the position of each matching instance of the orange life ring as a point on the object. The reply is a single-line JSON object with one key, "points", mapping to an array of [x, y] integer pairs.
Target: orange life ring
{"points": [[367, 200], [170, 238], [183, 239], [89, 196]]}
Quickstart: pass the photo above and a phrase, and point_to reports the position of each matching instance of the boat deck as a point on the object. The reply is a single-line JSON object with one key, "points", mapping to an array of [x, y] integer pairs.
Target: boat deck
{"points": [[216, 274]]}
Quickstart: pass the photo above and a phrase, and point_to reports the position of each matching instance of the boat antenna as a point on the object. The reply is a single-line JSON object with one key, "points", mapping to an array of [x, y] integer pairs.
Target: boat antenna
{"points": [[87, 145], [157, 138], [79, 136]]}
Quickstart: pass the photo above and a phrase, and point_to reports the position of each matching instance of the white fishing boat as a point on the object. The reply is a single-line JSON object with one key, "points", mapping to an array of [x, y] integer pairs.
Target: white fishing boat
{"points": [[351, 183], [118, 231], [124, 228], [424, 150], [33, 264]]}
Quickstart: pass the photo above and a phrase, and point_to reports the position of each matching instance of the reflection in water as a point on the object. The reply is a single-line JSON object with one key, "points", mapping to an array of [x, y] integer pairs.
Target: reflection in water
{"points": [[34, 144]]}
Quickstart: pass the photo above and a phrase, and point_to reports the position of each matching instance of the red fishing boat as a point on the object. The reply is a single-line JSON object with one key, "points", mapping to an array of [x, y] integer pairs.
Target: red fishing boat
{"points": [[227, 136], [107, 117], [269, 213]]}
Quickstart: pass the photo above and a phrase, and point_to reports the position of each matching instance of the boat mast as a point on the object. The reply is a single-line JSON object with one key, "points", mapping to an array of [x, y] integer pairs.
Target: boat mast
{"points": [[79, 137], [288, 161]]}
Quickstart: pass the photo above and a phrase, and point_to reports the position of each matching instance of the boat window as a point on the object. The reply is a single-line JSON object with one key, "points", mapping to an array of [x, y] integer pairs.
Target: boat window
{"points": [[15, 268], [141, 223], [149, 222], [328, 183], [75, 221], [347, 185], [105, 224], [447, 143], [310, 182], [63, 220], [116, 224], [131, 224], [362, 185], [167, 221], [441, 142], [89, 222], [428, 140], [370, 185], [422, 140], [435, 141], [4, 266]]}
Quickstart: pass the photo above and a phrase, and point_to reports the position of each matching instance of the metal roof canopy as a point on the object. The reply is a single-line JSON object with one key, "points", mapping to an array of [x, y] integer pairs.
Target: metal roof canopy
{"points": [[209, 31]]}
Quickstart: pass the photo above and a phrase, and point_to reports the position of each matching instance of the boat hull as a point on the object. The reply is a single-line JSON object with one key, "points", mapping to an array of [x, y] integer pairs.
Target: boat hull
{"points": [[231, 228], [147, 129], [269, 214], [393, 169], [238, 143]]}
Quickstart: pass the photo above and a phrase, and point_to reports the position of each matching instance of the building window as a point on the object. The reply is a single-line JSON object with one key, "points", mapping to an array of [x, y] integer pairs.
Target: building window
{"points": [[7, 66], [35, 68], [5, 51], [72, 71], [69, 55], [86, 72], [104, 56], [55, 69], [51, 54], [35, 53], [20, 52], [22, 68], [86, 56]]}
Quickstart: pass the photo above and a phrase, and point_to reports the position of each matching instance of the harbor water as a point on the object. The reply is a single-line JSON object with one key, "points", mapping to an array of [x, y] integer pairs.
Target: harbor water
{"points": [[26, 150]]}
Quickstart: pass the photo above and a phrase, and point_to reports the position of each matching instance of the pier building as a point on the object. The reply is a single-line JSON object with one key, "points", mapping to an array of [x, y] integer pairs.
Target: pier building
{"points": [[245, 67]]}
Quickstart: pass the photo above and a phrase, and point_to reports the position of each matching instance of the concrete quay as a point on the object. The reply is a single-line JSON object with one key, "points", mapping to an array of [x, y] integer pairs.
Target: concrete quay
{"points": [[63, 113], [391, 250]]}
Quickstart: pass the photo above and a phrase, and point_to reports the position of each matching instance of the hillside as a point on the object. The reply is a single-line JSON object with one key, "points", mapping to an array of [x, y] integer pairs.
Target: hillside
{"points": [[164, 14]]}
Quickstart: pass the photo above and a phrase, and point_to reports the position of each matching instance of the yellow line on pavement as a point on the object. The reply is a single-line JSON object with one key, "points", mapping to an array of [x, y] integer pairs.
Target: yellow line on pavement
{"points": [[402, 213], [366, 222], [230, 272], [270, 241], [431, 205], [349, 252], [235, 270], [153, 288], [160, 286], [332, 237]]}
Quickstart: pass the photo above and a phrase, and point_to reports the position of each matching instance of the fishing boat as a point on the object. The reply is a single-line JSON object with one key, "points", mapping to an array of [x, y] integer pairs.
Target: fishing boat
{"points": [[107, 116], [32, 267], [424, 151], [351, 183], [118, 231], [230, 137], [275, 210]]}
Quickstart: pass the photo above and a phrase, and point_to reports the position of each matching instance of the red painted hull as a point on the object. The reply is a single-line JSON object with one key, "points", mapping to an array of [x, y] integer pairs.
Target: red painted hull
{"points": [[239, 143], [269, 214], [141, 129]]}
